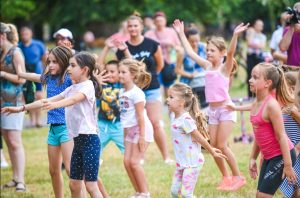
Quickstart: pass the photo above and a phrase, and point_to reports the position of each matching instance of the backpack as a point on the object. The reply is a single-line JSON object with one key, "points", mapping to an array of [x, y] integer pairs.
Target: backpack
{"points": [[29, 90]]}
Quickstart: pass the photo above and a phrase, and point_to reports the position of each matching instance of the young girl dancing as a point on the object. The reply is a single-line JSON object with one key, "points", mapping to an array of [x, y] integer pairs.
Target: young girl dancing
{"points": [[60, 145], [137, 126], [188, 128], [217, 80], [270, 137]]}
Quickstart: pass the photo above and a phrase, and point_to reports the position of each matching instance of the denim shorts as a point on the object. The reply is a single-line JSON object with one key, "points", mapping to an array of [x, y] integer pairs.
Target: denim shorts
{"points": [[153, 95], [58, 134]]}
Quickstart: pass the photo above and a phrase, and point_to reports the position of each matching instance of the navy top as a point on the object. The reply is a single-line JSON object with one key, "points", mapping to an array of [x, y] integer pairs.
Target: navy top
{"points": [[190, 66], [56, 116]]}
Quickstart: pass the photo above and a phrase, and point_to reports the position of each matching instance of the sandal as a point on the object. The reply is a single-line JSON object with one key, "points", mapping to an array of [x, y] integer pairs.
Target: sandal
{"points": [[10, 184], [20, 187]]}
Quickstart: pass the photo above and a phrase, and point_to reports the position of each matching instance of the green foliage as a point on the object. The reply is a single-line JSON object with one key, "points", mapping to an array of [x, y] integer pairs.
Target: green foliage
{"points": [[11, 9]]}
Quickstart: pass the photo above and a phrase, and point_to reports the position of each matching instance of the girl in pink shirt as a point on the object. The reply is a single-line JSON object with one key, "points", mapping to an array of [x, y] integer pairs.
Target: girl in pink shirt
{"points": [[217, 81]]}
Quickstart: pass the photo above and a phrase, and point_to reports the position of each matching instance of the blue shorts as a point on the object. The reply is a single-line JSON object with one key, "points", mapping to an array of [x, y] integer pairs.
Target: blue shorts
{"points": [[110, 131], [58, 134], [85, 157], [153, 95]]}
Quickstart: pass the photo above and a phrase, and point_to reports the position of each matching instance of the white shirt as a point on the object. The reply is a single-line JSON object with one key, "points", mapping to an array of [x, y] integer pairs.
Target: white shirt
{"points": [[187, 152], [127, 109], [81, 117], [276, 38]]}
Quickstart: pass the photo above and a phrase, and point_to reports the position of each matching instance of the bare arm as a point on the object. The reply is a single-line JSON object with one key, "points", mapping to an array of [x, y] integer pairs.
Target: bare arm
{"points": [[179, 27], [76, 98], [103, 54], [231, 50], [159, 59], [179, 66], [246, 107], [286, 39], [30, 76], [139, 109]]}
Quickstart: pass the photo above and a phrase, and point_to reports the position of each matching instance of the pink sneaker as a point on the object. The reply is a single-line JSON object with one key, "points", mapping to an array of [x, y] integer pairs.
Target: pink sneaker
{"points": [[238, 182], [225, 184]]}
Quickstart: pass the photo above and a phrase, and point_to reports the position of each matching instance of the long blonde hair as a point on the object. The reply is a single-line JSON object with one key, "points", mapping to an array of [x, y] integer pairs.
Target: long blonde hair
{"points": [[191, 104], [142, 78], [11, 32]]}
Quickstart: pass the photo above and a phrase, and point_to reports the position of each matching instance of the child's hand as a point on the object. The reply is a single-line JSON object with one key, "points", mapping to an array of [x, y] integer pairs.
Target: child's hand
{"points": [[178, 26], [218, 153], [48, 105], [253, 169], [101, 77], [142, 144], [240, 28], [290, 174], [121, 45], [230, 107], [10, 110]]}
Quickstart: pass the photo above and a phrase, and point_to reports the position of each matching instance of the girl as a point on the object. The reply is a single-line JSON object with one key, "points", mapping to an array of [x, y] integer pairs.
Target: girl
{"points": [[80, 102], [60, 145], [270, 139], [148, 50], [217, 81], [11, 58], [134, 120], [188, 129]]}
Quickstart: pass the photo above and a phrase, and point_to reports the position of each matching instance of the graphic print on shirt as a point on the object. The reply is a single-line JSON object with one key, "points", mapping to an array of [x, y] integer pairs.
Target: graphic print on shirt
{"points": [[124, 104]]}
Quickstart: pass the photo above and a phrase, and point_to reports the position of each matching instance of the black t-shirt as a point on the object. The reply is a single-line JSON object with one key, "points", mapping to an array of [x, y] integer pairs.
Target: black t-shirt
{"points": [[145, 51]]}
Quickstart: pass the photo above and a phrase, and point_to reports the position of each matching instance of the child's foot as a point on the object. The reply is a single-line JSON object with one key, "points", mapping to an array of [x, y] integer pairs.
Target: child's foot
{"points": [[134, 195], [144, 195], [238, 182], [169, 161], [225, 184]]}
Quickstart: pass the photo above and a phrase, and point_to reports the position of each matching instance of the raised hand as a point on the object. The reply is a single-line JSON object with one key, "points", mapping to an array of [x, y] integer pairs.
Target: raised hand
{"points": [[101, 77], [10, 110], [253, 169], [121, 45], [240, 28], [109, 43], [178, 26], [218, 153]]}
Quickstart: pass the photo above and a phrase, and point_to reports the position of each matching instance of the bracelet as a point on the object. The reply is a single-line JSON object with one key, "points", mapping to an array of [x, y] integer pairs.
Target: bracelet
{"points": [[23, 108]]}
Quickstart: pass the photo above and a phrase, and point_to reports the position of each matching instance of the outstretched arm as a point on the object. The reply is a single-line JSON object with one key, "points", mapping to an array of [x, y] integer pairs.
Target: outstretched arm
{"points": [[76, 98], [179, 28], [231, 50]]}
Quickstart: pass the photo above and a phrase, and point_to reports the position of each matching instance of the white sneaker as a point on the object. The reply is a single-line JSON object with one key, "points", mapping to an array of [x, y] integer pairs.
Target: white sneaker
{"points": [[134, 195], [144, 195], [101, 162], [169, 161]]}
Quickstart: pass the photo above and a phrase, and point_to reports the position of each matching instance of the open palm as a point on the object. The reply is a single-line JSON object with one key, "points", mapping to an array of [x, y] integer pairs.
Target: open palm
{"points": [[240, 28]]}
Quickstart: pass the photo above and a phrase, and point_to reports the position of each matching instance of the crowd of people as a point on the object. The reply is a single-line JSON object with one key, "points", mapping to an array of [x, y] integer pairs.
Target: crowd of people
{"points": [[130, 91]]}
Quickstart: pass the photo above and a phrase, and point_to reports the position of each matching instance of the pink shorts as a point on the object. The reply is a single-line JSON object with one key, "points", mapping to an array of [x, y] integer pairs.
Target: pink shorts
{"points": [[133, 133], [218, 114]]}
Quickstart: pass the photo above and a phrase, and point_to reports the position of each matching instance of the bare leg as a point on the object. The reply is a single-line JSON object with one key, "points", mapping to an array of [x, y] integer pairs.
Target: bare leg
{"points": [[93, 189], [127, 156], [55, 159], [76, 188], [16, 152], [66, 149], [154, 109], [102, 188]]}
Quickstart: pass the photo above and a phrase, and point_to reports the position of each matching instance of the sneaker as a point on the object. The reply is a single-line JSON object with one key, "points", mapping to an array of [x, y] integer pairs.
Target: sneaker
{"points": [[238, 182], [169, 161], [144, 195], [225, 184], [101, 162], [134, 195]]}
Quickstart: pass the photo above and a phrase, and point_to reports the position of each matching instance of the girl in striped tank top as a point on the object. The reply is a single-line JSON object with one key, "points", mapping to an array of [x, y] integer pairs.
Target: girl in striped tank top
{"points": [[291, 118], [270, 138]]}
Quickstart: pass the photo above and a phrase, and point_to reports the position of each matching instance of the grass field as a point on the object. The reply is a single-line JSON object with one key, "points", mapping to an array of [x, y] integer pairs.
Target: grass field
{"points": [[112, 172]]}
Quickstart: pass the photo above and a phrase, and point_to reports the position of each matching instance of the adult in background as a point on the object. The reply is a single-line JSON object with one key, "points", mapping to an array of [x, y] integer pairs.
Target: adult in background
{"points": [[148, 23], [11, 58], [290, 41], [191, 73], [256, 42], [168, 40], [35, 54], [64, 37], [278, 55], [148, 50]]}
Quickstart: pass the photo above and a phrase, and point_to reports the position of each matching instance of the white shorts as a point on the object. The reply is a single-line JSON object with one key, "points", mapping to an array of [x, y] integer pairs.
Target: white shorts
{"points": [[13, 121]]}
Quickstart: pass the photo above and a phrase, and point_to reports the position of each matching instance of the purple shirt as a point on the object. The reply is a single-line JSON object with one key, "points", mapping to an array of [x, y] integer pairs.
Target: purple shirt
{"points": [[294, 49]]}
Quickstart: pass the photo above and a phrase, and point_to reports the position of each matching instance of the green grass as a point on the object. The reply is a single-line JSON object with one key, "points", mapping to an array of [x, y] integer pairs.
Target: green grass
{"points": [[159, 175]]}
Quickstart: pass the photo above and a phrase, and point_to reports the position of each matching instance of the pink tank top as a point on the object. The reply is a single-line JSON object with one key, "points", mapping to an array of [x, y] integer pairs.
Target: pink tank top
{"points": [[265, 135], [216, 86]]}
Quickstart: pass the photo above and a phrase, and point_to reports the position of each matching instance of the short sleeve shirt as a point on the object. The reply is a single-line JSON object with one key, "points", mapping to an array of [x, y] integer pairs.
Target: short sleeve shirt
{"points": [[56, 116], [81, 118], [127, 101], [187, 152], [144, 51]]}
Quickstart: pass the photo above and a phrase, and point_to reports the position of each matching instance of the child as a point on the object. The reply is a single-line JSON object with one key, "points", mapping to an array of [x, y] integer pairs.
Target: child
{"points": [[109, 113], [137, 126], [60, 145], [188, 129], [291, 119], [270, 138], [217, 81]]}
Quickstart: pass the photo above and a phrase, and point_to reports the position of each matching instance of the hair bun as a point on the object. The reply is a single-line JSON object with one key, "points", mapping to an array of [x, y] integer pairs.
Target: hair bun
{"points": [[136, 13]]}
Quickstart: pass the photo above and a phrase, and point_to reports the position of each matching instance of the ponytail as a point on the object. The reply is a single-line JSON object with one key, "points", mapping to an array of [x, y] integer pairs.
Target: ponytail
{"points": [[98, 87], [283, 93]]}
